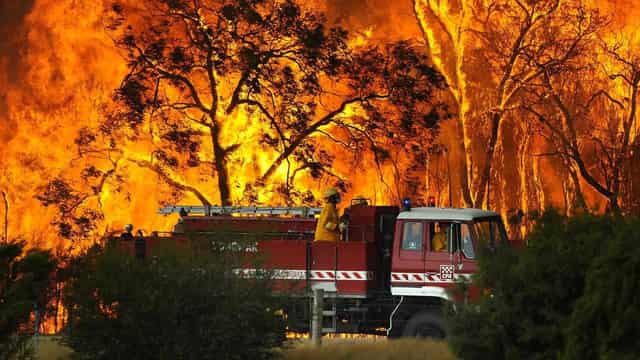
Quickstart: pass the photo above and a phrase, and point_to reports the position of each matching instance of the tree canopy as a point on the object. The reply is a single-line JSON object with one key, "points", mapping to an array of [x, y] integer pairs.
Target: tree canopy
{"points": [[201, 72]]}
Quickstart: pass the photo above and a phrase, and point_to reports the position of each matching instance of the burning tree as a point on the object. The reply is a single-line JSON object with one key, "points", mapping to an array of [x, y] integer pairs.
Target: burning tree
{"points": [[589, 110], [212, 81], [555, 84], [507, 39]]}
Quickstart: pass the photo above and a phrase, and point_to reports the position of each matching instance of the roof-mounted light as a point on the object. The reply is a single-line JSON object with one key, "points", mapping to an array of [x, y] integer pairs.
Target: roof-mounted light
{"points": [[406, 204], [431, 202]]}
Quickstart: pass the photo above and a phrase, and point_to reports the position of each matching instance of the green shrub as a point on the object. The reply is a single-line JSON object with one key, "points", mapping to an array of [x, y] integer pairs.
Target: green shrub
{"points": [[605, 323], [25, 285], [537, 301], [176, 304]]}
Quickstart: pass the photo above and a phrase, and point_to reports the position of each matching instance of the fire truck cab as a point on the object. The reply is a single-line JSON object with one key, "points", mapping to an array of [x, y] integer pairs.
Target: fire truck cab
{"points": [[434, 247], [390, 273]]}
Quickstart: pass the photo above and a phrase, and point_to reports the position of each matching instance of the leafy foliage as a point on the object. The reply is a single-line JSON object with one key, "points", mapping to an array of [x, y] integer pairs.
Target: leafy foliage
{"points": [[604, 323], [173, 305], [25, 285], [195, 68], [566, 295], [74, 220]]}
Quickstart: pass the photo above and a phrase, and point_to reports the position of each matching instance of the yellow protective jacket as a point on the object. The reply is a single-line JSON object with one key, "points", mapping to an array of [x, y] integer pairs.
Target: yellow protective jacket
{"points": [[327, 226], [439, 242]]}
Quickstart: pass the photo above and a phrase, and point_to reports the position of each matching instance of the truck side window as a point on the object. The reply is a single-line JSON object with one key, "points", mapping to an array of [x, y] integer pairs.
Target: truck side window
{"points": [[490, 233], [412, 235], [467, 244]]}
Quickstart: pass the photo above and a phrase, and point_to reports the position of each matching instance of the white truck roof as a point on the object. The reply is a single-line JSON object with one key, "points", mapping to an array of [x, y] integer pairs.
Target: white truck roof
{"points": [[435, 213]]}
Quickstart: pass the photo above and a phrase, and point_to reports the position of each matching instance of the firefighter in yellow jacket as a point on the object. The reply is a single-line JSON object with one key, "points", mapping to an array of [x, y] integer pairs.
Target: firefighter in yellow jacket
{"points": [[327, 228]]}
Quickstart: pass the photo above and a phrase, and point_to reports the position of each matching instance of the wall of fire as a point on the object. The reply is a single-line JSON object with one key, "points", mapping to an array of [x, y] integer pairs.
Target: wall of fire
{"points": [[58, 68]]}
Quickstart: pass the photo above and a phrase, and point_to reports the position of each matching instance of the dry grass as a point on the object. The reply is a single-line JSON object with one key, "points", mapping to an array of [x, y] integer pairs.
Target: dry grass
{"points": [[346, 349], [48, 348], [355, 348]]}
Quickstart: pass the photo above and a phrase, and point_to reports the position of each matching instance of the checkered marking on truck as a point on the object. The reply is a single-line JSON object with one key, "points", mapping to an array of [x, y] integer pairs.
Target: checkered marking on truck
{"points": [[430, 277], [314, 275], [447, 272]]}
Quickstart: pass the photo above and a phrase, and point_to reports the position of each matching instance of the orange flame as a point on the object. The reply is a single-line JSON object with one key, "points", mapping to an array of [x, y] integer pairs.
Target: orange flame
{"points": [[61, 66]]}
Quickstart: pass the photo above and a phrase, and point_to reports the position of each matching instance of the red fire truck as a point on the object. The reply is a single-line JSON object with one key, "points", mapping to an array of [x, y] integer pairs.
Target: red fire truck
{"points": [[388, 275]]}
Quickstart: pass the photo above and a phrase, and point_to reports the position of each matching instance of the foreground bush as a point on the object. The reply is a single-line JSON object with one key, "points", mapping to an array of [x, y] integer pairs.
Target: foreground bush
{"points": [[572, 293], [25, 285], [605, 323], [173, 305]]}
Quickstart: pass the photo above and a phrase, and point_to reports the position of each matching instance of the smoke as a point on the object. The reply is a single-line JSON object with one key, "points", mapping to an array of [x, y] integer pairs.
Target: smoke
{"points": [[13, 35], [12, 45]]}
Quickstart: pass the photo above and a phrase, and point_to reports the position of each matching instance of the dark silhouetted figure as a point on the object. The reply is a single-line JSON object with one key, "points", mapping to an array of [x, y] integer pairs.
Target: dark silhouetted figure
{"points": [[140, 245], [127, 235]]}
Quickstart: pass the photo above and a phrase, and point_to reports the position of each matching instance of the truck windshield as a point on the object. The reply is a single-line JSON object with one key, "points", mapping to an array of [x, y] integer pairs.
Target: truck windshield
{"points": [[490, 232]]}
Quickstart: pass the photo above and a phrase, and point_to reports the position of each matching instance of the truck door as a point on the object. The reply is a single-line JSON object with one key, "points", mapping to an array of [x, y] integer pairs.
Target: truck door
{"points": [[464, 255], [439, 260], [408, 262], [464, 252]]}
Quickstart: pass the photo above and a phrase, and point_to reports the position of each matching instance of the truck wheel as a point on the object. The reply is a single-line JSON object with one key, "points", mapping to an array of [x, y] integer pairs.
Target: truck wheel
{"points": [[425, 325]]}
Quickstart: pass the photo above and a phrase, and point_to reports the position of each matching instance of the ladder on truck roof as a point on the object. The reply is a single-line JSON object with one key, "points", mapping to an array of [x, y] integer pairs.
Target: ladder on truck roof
{"points": [[248, 210]]}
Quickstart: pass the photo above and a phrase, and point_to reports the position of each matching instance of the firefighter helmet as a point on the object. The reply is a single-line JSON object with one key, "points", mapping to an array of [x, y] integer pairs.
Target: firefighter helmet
{"points": [[330, 192]]}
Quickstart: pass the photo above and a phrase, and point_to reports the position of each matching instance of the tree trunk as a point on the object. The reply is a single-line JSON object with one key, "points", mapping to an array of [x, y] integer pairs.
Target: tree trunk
{"points": [[464, 167], [538, 184], [624, 154], [578, 198], [614, 207], [220, 167], [6, 217], [524, 155], [486, 171]]}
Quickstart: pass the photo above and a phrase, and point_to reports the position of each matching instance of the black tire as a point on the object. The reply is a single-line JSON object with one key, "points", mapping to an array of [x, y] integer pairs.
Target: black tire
{"points": [[426, 325]]}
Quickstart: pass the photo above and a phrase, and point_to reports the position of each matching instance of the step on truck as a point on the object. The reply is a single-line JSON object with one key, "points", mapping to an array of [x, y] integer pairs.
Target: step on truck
{"points": [[388, 275]]}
